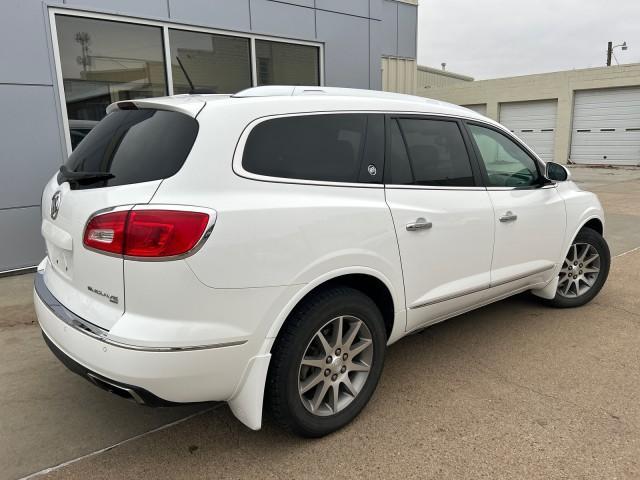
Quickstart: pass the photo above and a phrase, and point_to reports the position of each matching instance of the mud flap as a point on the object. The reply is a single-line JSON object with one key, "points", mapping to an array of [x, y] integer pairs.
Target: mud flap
{"points": [[246, 403]]}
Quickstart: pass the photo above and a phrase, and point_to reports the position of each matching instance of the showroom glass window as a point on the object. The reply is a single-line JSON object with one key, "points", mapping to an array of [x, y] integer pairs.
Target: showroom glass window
{"points": [[103, 62], [287, 64], [214, 63]]}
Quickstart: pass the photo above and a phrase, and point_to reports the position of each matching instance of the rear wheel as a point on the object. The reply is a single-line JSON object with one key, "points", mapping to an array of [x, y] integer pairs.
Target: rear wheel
{"points": [[326, 362], [584, 270]]}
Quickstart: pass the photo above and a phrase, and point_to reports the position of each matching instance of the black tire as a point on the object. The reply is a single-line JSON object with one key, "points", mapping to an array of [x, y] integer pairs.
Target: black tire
{"points": [[593, 238], [282, 397]]}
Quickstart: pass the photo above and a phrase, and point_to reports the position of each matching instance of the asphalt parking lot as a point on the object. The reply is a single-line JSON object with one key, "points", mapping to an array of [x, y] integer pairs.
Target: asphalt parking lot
{"points": [[513, 390]]}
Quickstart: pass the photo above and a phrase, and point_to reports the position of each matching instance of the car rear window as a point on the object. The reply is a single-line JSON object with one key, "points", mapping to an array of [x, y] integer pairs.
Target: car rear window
{"points": [[133, 146], [325, 147]]}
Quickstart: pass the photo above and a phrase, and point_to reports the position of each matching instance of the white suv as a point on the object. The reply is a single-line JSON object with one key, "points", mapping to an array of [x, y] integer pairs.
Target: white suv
{"points": [[271, 244]]}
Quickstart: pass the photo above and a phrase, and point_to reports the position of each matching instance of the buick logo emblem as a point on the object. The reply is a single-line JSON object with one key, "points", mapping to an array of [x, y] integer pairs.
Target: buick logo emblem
{"points": [[55, 205]]}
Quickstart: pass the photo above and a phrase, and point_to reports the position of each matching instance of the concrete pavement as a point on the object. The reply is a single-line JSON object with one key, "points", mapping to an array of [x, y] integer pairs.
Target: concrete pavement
{"points": [[513, 390]]}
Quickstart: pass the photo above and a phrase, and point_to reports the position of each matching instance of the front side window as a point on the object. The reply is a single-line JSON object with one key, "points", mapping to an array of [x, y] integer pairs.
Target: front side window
{"points": [[287, 64], [506, 163], [428, 152], [104, 62], [215, 63], [327, 148]]}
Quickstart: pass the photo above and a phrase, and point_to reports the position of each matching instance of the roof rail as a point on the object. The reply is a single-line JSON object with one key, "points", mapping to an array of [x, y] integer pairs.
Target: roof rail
{"points": [[292, 91]]}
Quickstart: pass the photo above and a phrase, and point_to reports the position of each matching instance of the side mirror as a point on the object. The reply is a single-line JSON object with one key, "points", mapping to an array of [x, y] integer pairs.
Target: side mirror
{"points": [[556, 172]]}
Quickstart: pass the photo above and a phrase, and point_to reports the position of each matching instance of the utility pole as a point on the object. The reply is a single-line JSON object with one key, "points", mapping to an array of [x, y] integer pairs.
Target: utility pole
{"points": [[609, 53]]}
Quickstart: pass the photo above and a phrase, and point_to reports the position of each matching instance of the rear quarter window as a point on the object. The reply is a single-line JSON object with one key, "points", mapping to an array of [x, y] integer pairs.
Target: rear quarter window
{"points": [[325, 147], [134, 146]]}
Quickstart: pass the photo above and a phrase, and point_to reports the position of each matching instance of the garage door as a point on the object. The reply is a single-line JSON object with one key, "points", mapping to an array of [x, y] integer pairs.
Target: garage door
{"points": [[534, 123], [481, 108], [606, 127]]}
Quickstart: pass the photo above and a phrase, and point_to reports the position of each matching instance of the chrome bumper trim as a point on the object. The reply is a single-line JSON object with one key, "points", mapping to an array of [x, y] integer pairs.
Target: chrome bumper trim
{"points": [[100, 334]]}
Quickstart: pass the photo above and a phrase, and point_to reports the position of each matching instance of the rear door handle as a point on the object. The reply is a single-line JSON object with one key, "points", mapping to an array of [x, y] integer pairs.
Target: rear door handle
{"points": [[419, 224], [508, 217]]}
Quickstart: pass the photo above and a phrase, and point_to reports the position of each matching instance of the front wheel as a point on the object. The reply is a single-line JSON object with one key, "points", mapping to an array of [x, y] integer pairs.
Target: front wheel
{"points": [[326, 362], [584, 271]]}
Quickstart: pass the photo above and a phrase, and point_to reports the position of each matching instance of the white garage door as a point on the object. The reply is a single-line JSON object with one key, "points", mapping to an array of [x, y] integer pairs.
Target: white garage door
{"points": [[481, 108], [534, 123], [606, 127]]}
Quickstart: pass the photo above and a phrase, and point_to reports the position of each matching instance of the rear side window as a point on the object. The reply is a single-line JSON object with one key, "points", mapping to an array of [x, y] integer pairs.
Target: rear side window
{"points": [[328, 148], [428, 152], [133, 146]]}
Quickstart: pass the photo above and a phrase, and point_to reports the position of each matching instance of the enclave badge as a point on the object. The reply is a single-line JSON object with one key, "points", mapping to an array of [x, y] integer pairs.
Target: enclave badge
{"points": [[55, 205]]}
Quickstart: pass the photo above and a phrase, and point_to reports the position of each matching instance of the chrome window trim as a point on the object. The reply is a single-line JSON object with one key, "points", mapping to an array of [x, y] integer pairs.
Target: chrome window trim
{"points": [[164, 25], [239, 170], [79, 324], [393, 186], [238, 154]]}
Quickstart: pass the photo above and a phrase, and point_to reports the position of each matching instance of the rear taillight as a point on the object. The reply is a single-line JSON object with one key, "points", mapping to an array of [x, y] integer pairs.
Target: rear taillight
{"points": [[146, 233]]}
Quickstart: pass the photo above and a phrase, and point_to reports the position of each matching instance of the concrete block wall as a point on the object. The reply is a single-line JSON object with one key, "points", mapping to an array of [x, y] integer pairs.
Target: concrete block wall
{"points": [[560, 86], [355, 33]]}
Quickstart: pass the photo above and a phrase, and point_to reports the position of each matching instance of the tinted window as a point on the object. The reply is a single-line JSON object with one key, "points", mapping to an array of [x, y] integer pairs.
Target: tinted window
{"points": [[313, 147], [437, 155], [134, 146], [397, 166], [507, 164]]}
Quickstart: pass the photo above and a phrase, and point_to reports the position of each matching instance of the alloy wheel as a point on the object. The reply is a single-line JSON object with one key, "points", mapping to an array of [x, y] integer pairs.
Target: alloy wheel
{"points": [[580, 270], [335, 365]]}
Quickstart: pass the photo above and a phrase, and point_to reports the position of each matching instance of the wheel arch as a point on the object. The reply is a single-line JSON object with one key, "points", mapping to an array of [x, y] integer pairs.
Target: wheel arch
{"points": [[247, 401], [371, 282]]}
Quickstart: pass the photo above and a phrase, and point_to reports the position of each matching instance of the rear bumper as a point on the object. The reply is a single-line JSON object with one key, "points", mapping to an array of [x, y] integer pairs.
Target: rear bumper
{"points": [[149, 376]]}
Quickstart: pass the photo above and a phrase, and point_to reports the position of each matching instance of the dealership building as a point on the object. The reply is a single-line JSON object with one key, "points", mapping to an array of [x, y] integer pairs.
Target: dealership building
{"points": [[64, 62]]}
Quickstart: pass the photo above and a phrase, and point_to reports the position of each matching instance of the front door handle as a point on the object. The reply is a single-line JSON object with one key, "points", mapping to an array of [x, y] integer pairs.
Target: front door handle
{"points": [[508, 217], [419, 224]]}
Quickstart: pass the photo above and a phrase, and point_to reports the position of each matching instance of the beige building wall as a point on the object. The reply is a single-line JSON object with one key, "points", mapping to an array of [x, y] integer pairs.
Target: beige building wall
{"points": [[558, 85], [399, 75]]}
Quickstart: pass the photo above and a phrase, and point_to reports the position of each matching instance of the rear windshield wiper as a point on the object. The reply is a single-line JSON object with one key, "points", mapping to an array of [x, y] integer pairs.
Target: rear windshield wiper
{"points": [[72, 176]]}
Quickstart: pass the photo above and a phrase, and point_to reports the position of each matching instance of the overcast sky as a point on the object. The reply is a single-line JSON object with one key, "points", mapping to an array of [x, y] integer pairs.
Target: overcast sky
{"points": [[497, 38]]}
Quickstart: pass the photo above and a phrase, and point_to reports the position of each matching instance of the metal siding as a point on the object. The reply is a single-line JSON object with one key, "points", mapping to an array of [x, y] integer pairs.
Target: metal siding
{"points": [[301, 3], [389, 16], [538, 116], [269, 17], [346, 49], [24, 53], [231, 14], [611, 109], [21, 244], [375, 9], [146, 8], [375, 55], [352, 7], [399, 75], [407, 24], [30, 139]]}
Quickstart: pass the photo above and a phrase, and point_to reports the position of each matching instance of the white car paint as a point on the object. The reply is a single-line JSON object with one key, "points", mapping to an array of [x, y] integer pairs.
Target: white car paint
{"points": [[201, 328]]}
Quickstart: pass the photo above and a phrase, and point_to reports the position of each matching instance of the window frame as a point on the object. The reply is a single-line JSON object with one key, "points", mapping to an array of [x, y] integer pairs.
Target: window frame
{"points": [[240, 171], [473, 160], [166, 53], [542, 181]]}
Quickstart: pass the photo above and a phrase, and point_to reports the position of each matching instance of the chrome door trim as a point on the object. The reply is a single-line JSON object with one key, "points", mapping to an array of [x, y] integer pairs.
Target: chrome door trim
{"points": [[471, 291]]}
